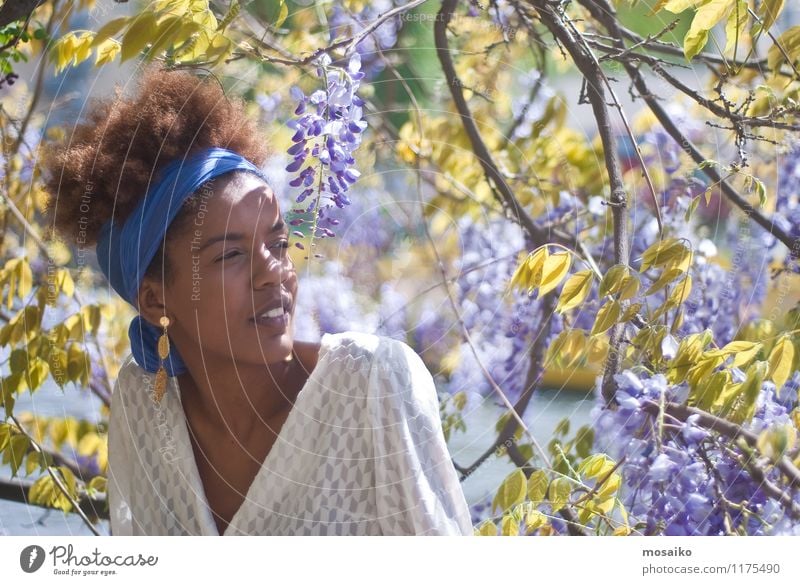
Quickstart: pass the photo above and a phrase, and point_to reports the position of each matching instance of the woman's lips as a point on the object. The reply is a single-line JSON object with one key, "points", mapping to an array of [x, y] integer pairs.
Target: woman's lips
{"points": [[278, 323]]}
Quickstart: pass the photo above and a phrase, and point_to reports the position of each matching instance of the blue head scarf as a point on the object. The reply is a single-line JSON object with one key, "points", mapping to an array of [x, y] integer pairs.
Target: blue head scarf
{"points": [[124, 252]]}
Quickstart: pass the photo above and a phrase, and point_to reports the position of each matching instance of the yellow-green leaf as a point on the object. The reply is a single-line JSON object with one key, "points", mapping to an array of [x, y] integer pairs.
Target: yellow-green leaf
{"points": [[509, 526], [606, 317], [98, 483], [24, 279], [534, 519], [537, 486], [560, 490], [536, 263], [742, 357], [677, 6], [165, 36], [780, 362], [65, 283], [704, 394], [666, 277], [613, 279], [138, 35], [707, 17], [775, 442], [109, 29], [555, 268], [736, 26], [511, 492], [664, 251], [629, 287], [14, 454], [681, 291], [609, 487], [788, 41], [734, 347], [768, 11], [575, 291]]}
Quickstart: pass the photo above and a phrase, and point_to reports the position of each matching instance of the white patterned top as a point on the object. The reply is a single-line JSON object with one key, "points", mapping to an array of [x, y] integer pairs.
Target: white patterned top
{"points": [[361, 453]]}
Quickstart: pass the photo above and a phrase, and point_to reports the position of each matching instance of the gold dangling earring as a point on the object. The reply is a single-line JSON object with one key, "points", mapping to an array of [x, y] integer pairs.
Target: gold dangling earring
{"points": [[163, 353]]}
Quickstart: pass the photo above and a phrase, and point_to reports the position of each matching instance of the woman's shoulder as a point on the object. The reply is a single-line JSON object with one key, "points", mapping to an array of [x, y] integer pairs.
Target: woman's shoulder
{"points": [[132, 381], [368, 350]]}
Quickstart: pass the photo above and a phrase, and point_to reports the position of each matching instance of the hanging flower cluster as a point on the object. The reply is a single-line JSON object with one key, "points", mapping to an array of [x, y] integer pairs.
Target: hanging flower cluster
{"points": [[328, 129]]}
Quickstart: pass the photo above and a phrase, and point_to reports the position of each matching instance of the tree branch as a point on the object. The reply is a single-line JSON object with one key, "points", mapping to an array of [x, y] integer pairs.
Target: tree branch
{"points": [[586, 64], [605, 14], [14, 10], [17, 490]]}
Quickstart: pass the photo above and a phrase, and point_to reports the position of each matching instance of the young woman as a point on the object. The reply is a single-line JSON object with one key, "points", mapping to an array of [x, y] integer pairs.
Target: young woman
{"points": [[222, 423]]}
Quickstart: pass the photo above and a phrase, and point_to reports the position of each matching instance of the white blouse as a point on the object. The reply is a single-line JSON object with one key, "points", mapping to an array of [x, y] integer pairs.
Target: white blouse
{"points": [[361, 453]]}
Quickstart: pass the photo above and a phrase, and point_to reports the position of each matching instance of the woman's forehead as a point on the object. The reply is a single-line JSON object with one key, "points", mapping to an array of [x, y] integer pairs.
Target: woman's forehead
{"points": [[247, 195]]}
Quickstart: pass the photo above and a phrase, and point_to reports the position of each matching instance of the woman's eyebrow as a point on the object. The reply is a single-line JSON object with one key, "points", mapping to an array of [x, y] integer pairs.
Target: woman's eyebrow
{"points": [[279, 225]]}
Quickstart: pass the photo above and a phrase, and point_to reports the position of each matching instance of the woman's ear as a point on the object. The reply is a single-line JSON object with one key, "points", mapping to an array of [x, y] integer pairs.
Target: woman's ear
{"points": [[151, 301]]}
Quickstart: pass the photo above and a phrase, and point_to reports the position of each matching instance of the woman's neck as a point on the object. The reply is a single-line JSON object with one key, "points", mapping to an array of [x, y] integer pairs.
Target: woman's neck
{"points": [[234, 396]]}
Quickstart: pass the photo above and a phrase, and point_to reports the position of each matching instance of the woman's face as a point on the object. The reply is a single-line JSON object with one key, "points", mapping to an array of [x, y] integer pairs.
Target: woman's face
{"points": [[233, 276]]}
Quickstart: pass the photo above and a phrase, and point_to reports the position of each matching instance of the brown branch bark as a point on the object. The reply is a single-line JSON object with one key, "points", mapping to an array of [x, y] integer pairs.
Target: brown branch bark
{"points": [[14, 10], [724, 427], [587, 65], [17, 490]]}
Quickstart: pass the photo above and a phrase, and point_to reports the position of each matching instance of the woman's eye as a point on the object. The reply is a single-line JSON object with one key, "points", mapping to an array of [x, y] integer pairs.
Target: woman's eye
{"points": [[284, 244], [228, 256]]}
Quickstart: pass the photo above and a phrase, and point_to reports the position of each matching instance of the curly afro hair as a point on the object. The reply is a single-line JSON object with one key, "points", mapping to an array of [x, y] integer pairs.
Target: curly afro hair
{"points": [[106, 165]]}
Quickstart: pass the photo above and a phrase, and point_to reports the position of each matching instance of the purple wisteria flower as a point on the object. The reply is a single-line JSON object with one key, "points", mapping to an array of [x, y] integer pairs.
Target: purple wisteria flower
{"points": [[681, 479], [328, 129]]}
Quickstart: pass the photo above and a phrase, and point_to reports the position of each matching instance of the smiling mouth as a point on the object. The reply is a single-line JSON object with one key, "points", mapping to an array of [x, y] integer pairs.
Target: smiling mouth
{"points": [[277, 318]]}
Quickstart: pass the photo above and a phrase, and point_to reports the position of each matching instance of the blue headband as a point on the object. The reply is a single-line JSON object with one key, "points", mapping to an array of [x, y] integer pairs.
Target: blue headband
{"points": [[124, 252]]}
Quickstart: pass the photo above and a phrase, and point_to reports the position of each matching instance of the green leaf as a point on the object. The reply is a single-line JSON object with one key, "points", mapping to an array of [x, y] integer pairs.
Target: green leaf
{"points": [[15, 453], [273, 12], [761, 189], [138, 35], [606, 317], [575, 291]]}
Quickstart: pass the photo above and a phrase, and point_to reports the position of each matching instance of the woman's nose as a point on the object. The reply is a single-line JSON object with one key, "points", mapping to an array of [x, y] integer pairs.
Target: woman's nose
{"points": [[268, 267]]}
